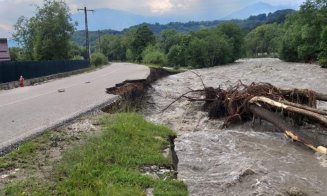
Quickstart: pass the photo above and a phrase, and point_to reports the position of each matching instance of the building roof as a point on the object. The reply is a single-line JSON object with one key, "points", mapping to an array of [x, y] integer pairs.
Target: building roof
{"points": [[4, 50]]}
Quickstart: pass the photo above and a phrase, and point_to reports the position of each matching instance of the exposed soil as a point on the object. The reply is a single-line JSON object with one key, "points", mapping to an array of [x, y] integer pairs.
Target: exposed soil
{"points": [[240, 160]]}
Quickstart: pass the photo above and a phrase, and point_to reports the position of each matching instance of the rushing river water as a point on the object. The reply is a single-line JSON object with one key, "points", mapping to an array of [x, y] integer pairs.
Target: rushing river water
{"points": [[240, 160]]}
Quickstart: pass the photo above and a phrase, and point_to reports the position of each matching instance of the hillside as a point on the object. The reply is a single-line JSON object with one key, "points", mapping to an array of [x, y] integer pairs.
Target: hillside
{"points": [[246, 25], [107, 18], [254, 9]]}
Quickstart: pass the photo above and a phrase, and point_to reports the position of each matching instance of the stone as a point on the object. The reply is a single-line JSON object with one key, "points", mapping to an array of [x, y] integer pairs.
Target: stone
{"points": [[154, 168], [149, 192], [294, 191]]}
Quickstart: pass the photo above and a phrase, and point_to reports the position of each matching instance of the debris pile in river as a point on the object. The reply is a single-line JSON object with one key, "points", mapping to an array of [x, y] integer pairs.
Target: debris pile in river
{"points": [[243, 102]]}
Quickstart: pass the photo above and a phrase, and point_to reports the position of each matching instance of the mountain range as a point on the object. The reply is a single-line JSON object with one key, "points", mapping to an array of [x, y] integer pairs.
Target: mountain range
{"points": [[107, 18], [254, 9]]}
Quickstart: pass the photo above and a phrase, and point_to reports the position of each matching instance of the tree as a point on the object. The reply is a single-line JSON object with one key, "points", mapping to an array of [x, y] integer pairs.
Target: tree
{"points": [[323, 47], [168, 38], [98, 58], [304, 33], [263, 39], [235, 38], [198, 51], [24, 35], [291, 39], [178, 54], [152, 55], [76, 52], [211, 47], [15, 53], [142, 38], [219, 50], [174, 56], [113, 47], [46, 36]]}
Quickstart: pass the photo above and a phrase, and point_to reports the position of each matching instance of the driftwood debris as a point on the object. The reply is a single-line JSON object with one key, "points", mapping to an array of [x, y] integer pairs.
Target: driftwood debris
{"points": [[243, 102]]}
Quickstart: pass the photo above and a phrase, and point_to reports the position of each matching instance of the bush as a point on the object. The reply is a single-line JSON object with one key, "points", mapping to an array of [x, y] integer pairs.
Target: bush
{"points": [[323, 59], [98, 58], [153, 55], [174, 56]]}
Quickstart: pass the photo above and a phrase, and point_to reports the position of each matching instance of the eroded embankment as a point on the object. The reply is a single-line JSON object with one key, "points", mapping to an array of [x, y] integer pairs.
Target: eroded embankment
{"points": [[132, 98], [132, 92], [240, 160]]}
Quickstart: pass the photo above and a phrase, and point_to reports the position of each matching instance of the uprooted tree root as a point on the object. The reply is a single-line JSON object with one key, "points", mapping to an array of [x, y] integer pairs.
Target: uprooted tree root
{"points": [[243, 102]]}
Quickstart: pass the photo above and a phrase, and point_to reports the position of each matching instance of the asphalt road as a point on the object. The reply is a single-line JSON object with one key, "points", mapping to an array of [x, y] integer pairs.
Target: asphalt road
{"points": [[29, 110]]}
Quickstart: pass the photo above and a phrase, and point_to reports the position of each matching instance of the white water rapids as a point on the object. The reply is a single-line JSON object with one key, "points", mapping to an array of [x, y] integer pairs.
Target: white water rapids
{"points": [[240, 160]]}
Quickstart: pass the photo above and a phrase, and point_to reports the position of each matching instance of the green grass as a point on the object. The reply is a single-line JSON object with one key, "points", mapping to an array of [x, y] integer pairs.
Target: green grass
{"points": [[24, 155], [109, 164]]}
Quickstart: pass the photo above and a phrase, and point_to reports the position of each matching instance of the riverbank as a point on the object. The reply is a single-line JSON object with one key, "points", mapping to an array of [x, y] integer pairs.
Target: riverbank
{"points": [[103, 154]]}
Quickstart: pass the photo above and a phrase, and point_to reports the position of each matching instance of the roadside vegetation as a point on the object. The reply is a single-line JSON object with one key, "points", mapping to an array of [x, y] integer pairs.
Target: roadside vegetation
{"points": [[109, 163], [98, 59], [45, 36]]}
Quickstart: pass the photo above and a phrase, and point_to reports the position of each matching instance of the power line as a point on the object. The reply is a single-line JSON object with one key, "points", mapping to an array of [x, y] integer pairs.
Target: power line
{"points": [[87, 41]]}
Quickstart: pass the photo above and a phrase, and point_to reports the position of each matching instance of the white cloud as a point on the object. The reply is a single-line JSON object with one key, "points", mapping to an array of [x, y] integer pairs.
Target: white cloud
{"points": [[6, 27], [160, 6]]}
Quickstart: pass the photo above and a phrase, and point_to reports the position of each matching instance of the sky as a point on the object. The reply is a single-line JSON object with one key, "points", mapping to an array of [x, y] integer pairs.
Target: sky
{"points": [[10, 10]]}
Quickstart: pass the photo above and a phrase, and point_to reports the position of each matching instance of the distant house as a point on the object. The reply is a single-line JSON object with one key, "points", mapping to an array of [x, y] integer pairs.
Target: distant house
{"points": [[4, 50]]}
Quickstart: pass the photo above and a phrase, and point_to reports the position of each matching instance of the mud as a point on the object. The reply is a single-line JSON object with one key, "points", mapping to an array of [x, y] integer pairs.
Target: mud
{"points": [[240, 160]]}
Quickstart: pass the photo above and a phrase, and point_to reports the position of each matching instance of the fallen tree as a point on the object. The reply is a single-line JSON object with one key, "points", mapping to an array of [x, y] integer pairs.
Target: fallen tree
{"points": [[243, 102]]}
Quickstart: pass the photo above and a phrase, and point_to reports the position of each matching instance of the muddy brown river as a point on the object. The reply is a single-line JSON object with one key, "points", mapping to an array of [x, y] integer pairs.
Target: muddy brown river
{"points": [[240, 160]]}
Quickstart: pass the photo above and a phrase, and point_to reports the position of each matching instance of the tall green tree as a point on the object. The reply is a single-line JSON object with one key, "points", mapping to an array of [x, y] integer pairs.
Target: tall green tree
{"points": [[263, 39], [46, 35], [323, 47], [153, 55], [168, 38], [25, 32], [142, 38], [113, 47], [234, 37], [304, 37]]}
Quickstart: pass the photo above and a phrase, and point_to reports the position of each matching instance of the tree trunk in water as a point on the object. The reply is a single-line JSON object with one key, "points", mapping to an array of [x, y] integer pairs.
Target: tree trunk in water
{"points": [[305, 107], [320, 118], [283, 126]]}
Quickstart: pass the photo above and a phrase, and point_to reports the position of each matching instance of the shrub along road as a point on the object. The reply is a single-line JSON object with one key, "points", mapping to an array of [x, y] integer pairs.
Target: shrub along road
{"points": [[30, 110]]}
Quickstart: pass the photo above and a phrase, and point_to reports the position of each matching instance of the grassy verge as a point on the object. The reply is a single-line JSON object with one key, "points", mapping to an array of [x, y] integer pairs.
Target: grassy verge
{"points": [[24, 155], [107, 164]]}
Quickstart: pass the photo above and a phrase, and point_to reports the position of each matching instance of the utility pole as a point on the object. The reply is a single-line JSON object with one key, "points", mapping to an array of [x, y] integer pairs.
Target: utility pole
{"points": [[99, 40], [87, 42]]}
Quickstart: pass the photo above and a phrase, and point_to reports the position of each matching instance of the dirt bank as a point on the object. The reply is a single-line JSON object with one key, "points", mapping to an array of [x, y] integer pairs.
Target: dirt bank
{"points": [[240, 160]]}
